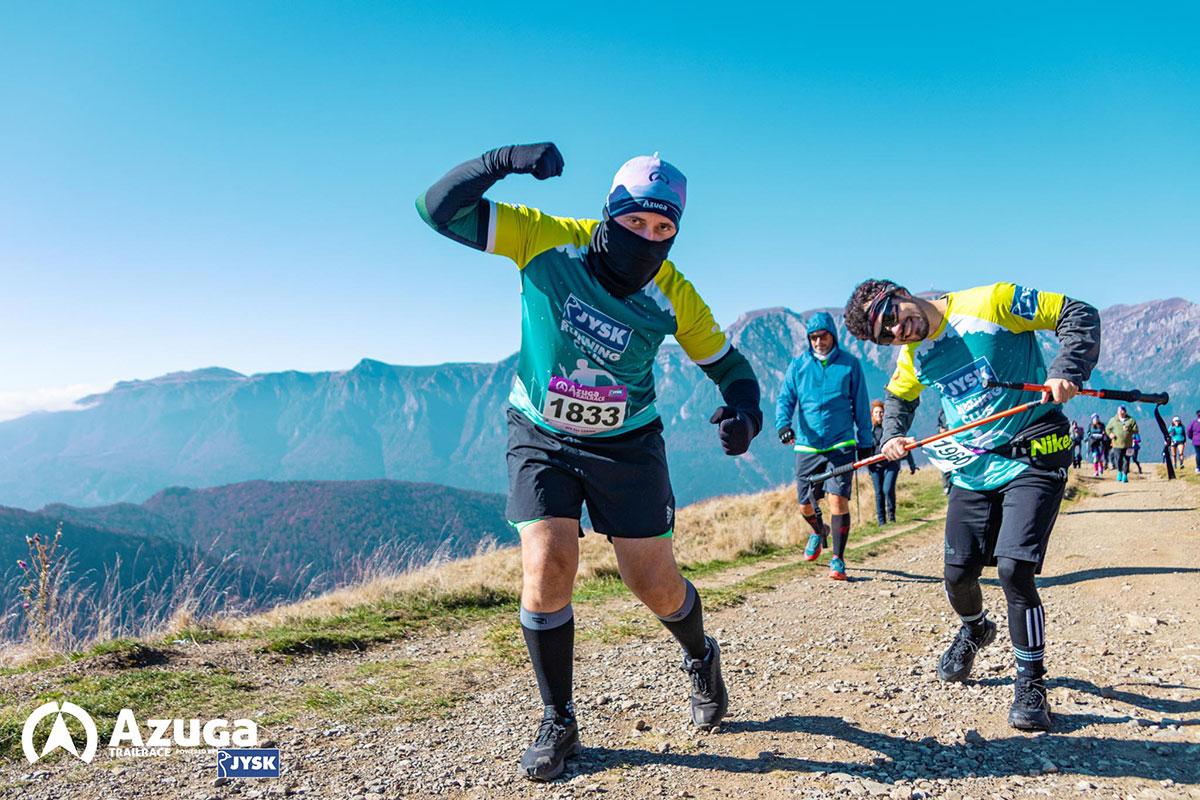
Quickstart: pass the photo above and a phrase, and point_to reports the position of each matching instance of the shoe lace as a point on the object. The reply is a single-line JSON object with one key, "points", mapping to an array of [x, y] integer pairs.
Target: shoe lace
{"points": [[696, 668], [1031, 694], [963, 645], [548, 732]]}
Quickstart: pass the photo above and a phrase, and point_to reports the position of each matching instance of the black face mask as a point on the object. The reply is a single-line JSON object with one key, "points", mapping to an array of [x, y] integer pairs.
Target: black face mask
{"points": [[622, 261]]}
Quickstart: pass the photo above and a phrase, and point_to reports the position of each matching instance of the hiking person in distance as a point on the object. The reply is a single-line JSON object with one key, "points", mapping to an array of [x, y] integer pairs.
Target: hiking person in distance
{"points": [[1121, 429], [1095, 440], [884, 474], [824, 392], [1178, 437]]}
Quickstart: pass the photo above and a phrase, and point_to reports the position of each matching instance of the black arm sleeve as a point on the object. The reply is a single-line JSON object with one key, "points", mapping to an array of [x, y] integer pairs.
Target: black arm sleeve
{"points": [[1078, 332], [734, 376], [454, 205], [898, 416], [461, 187]]}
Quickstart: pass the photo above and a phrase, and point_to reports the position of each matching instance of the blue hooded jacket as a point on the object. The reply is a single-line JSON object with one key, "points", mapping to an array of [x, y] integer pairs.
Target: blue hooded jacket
{"points": [[831, 395]]}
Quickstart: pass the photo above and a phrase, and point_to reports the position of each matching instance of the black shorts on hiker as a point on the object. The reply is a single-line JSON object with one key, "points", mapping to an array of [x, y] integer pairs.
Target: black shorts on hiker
{"points": [[816, 463], [1012, 521], [623, 479]]}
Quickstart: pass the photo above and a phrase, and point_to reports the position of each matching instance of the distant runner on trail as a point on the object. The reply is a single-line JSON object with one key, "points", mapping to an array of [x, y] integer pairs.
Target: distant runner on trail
{"points": [[1010, 474], [1121, 429], [825, 391], [883, 476], [1076, 444], [1178, 436], [597, 299], [1095, 439], [1193, 433]]}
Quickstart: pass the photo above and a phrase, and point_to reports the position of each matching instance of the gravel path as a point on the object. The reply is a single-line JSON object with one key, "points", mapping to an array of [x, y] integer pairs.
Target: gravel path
{"points": [[833, 693]]}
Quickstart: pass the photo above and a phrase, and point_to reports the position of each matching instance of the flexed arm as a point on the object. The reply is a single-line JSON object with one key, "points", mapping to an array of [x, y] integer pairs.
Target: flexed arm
{"points": [[454, 205]]}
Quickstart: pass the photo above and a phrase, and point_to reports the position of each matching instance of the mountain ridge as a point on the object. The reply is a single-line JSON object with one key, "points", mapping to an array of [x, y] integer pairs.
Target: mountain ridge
{"points": [[444, 423]]}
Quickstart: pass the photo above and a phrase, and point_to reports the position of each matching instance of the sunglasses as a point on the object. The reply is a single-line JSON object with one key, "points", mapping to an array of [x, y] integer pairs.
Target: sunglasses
{"points": [[886, 311]]}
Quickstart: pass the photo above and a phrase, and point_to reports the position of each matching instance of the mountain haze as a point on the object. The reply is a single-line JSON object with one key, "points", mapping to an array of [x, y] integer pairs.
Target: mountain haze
{"points": [[444, 424]]}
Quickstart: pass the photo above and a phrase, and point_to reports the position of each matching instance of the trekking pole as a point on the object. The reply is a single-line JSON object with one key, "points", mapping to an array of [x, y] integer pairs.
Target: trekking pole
{"points": [[876, 459], [857, 499], [1122, 395]]}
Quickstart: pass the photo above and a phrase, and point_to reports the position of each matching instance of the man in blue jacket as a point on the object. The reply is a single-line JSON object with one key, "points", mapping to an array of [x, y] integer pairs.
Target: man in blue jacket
{"points": [[826, 391]]}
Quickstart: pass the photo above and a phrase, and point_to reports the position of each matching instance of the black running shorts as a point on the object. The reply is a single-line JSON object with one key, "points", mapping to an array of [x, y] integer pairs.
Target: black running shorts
{"points": [[1013, 521], [623, 479], [816, 463]]}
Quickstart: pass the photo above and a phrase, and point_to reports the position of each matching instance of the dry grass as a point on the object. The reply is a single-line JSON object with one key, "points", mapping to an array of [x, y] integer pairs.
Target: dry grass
{"points": [[720, 529]]}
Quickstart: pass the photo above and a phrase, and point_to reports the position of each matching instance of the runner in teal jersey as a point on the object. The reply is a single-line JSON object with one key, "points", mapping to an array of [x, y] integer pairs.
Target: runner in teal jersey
{"points": [[1009, 475], [598, 298]]}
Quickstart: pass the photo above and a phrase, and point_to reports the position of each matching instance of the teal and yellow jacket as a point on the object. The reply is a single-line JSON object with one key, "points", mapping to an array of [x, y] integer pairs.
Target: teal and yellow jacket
{"points": [[586, 358], [990, 332]]}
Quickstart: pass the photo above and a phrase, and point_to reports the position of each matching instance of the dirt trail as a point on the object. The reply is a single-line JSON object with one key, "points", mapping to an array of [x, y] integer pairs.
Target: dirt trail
{"points": [[833, 692]]}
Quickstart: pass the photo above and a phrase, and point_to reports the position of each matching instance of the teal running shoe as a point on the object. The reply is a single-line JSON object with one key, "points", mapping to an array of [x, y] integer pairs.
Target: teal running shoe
{"points": [[813, 551], [837, 569]]}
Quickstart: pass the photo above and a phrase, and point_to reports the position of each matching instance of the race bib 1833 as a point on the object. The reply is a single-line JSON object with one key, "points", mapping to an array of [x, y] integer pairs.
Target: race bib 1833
{"points": [[584, 410]]}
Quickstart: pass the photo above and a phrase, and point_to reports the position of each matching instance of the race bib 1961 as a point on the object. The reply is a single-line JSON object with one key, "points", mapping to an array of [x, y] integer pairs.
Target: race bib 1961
{"points": [[584, 410], [948, 455]]}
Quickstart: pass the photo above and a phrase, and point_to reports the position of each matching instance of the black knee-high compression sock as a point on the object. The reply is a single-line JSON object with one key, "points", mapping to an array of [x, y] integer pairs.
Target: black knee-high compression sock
{"points": [[840, 523], [815, 522], [687, 624], [550, 637], [1026, 617], [964, 594]]}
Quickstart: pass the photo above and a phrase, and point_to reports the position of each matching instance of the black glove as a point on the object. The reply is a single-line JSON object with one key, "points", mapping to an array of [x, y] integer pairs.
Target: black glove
{"points": [[735, 428], [864, 452], [786, 435], [542, 160]]}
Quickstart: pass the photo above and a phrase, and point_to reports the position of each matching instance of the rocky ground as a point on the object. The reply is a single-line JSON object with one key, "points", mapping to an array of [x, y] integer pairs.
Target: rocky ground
{"points": [[833, 692]]}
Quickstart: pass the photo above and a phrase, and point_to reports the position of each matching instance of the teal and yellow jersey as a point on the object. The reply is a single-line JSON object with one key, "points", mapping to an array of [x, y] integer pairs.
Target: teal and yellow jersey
{"points": [[988, 332], [585, 366]]}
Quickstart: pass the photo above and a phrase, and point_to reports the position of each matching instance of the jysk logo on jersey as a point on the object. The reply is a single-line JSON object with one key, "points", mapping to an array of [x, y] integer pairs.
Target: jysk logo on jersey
{"points": [[594, 331], [964, 388], [966, 381], [248, 763], [1025, 302]]}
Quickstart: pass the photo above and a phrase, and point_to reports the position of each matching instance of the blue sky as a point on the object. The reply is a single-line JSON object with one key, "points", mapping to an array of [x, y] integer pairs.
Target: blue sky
{"points": [[194, 184]]}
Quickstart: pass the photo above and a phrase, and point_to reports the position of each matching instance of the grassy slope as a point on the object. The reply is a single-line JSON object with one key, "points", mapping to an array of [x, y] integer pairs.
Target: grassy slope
{"points": [[762, 531]]}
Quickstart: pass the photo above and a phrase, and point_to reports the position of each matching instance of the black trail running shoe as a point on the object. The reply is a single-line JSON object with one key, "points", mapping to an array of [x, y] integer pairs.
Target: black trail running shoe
{"points": [[1030, 708], [557, 740], [955, 664], [710, 701]]}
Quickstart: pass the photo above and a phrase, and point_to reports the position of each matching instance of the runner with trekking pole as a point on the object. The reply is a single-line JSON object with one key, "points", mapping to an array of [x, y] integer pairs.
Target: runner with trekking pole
{"points": [[598, 297], [1008, 457]]}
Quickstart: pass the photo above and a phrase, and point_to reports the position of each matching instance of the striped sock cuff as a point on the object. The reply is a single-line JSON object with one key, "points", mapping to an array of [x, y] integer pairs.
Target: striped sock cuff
{"points": [[546, 620], [973, 618], [1029, 655], [689, 602]]}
